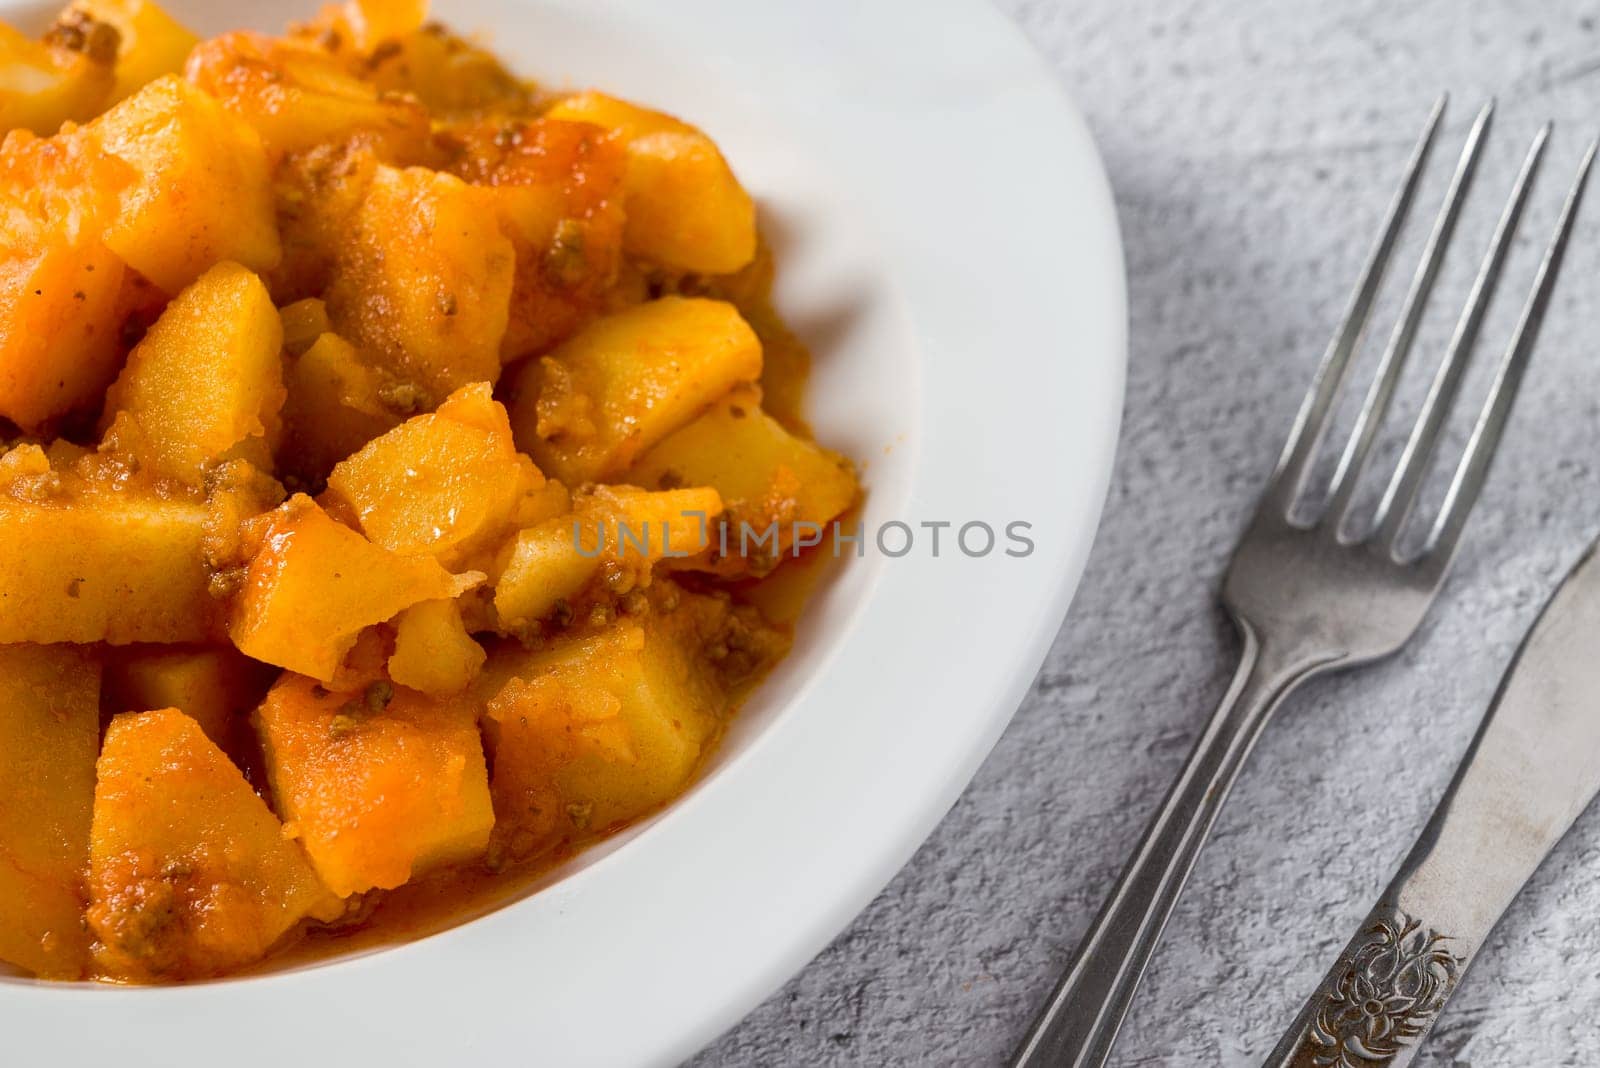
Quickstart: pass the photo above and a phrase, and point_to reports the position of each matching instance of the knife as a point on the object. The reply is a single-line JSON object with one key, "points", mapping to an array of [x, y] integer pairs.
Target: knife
{"points": [[1532, 768]]}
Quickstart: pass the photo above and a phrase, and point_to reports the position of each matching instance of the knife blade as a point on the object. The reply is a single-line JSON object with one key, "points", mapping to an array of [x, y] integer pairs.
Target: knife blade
{"points": [[1532, 768]]}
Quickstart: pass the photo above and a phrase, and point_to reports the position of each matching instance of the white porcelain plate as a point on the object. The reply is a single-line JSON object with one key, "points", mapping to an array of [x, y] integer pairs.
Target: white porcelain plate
{"points": [[947, 244]]}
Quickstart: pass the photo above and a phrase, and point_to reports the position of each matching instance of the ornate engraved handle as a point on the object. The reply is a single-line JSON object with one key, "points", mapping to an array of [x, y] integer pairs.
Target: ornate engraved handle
{"points": [[1379, 999]]}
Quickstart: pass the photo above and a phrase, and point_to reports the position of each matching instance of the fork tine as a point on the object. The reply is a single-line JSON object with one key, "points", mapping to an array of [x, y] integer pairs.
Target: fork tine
{"points": [[1310, 424], [1401, 494], [1353, 462], [1473, 470]]}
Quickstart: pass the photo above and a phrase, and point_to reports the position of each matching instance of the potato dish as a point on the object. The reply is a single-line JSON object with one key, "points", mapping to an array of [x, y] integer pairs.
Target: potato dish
{"points": [[371, 425]]}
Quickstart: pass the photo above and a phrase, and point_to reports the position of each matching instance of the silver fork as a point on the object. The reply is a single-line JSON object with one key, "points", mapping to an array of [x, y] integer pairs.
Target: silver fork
{"points": [[1315, 595]]}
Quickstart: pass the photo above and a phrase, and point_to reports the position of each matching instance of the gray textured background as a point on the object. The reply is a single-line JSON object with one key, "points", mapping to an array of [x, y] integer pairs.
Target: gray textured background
{"points": [[1252, 144]]}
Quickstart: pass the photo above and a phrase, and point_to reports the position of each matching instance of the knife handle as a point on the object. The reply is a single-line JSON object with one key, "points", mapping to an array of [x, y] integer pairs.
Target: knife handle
{"points": [[1381, 997]]}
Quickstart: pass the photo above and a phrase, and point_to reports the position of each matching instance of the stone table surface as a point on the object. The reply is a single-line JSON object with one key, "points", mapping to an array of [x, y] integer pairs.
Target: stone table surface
{"points": [[1252, 145]]}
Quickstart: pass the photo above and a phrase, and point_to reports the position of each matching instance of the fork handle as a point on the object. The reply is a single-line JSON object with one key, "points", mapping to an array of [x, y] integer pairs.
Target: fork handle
{"points": [[1079, 1024]]}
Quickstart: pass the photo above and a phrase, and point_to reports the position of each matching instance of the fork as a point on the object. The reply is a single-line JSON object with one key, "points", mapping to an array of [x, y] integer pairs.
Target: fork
{"points": [[1314, 594]]}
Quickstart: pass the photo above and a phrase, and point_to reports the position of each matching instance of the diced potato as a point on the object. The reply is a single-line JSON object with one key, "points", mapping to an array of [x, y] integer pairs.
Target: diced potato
{"points": [[594, 729], [315, 584], [558, 189], [212, 685], [655, 525], [63, 187], [174, 222], [304, 322], [60, 311], [557, 707], [107, 567], [25, 470], [685, 208], [542, 567], [617, 532], [375, 21], [238, 495], [424, 285], [297, 98], [150, 41], [433, 651], [766, 475], [58, 330], [379, 785], [206, 383], [591, 407], [67, 77], [49, 734], [189, 873], [334, 407], [442, 483], [318, 194], [450, 75]]}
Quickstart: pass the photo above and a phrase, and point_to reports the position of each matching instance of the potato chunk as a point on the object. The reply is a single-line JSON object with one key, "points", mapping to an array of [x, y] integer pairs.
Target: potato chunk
{"points": [[442, 483], [206, 383], [212, 685], [614, 532], [595, 729], [375, 21], [685, 208], [433, 652], [304, 323], [453, 77], [44, 84], [542, 568], [103, 567], [334, 407], [297, 98], [767, 476], [172, 223], [379, 785], [150, 41], [558, 189], [590, 408], [189, 873], [60, 315], [314, 584], [58, 339], [49, 734], [423, 285]]}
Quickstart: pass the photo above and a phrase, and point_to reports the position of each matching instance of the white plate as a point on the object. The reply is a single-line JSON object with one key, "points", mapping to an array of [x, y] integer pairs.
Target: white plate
{"points": [[948, 245]]}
